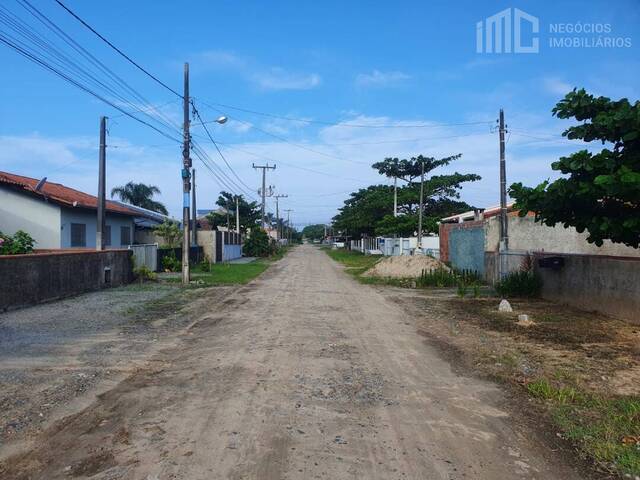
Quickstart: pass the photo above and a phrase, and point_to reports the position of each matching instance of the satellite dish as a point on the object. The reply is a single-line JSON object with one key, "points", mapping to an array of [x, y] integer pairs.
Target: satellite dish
{"points": [[41, 184]]}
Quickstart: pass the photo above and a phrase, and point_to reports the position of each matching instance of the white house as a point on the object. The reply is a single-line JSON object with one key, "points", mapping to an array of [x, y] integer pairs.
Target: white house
{"points": [[57, 216]]}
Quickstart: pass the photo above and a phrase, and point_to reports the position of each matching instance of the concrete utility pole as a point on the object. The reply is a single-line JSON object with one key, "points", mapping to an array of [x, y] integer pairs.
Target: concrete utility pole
{"points": [[288, 225], [237, 214], [264, 187], [102, 166], [504, 222], [421, 207], [194, 212], [186, 181], [395, 196], [278, 232], [504, 226]]}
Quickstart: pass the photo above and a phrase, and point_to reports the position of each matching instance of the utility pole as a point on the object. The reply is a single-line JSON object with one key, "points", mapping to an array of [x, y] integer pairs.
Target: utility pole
{"points": [[288, 225], [278, 225], [186, 181], [395, 196], [264, 187], [237, 214], [504, 225], [421, 206], [194, 219], [102, 166]]}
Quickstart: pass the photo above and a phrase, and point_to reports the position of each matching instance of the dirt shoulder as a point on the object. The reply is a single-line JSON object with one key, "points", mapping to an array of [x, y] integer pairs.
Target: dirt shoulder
{"points": [[575, 375], [56, 357]]}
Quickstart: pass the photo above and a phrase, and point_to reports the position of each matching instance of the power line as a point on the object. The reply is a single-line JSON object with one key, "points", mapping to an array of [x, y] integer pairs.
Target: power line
{"points": [[127, 57], [342, 124], [84, 88], [195, 110]]}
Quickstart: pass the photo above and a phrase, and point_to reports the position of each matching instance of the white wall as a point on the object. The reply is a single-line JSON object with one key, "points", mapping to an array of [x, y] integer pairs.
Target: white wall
{"points": [[20, 211]]}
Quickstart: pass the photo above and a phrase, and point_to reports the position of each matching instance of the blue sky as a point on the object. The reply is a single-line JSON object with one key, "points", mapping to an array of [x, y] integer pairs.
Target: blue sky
{"points": [[368, 63]]}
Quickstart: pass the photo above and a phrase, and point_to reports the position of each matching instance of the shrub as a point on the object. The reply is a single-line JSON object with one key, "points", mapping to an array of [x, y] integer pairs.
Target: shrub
{"points": [[522, 283], [170, 232], [442, 277], [18, 243], [144, 273], [258, 244], [170, 262]]}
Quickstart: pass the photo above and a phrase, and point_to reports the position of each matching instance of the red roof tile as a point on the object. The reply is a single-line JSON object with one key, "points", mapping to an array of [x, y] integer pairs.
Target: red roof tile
{"points": [[62, 195]]}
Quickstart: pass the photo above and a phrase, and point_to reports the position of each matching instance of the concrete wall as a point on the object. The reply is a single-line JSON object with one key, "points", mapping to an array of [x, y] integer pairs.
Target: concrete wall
{"points": [[89, 218], [610, 285], [466, 247], [41, 220], [35, 278], [528, 235], [207, 240]]}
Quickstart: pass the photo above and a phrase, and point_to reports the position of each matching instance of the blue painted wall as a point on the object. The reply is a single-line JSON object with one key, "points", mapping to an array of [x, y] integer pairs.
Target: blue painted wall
{"points": [[466, 248], [69, 216]]}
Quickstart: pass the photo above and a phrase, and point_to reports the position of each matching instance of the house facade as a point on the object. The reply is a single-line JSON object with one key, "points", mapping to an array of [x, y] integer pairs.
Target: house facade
{"points": [[57, 216]]}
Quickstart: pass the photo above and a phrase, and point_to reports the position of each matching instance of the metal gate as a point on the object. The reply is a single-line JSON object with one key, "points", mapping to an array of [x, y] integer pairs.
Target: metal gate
{"points": [[146, 254]]}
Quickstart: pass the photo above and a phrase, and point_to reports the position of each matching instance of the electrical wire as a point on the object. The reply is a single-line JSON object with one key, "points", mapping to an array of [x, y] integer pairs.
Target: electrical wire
{"points": [[197, 113], [127, 57], [342, 124]]}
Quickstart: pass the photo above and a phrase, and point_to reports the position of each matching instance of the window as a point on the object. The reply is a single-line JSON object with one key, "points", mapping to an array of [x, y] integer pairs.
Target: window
{"points": [[78, 235], [125, 236], [106, 236]]}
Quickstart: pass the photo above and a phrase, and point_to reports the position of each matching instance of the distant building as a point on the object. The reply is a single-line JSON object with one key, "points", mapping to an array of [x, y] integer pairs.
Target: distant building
{"points": [[57, 216]]}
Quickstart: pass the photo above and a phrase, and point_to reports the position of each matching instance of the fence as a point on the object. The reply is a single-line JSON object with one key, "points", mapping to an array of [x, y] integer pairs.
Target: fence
{"points": [[39, 277], [196, 255], [145, 255], [228, 246], [390, 246]]}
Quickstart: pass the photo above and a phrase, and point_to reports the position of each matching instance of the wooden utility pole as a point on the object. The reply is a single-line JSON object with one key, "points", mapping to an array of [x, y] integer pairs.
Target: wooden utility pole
{"points": [[186, 180], [278, 224], [421, 206], [194, 212], [264, 188], [102, 166]]}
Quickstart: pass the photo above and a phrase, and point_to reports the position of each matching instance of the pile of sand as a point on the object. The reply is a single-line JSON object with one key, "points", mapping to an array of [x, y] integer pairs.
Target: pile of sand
{"points": [[404, 266]]}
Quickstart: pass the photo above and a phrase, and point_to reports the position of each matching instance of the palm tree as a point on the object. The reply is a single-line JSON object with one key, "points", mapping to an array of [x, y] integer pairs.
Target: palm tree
{"points": [[140, 195]]}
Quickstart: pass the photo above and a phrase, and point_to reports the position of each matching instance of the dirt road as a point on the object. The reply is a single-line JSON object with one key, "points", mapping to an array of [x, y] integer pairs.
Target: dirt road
{"points": [[301, 374]]}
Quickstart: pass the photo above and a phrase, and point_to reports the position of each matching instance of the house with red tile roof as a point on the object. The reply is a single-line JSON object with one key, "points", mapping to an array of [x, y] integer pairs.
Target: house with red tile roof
{"points": [[57, 216]]}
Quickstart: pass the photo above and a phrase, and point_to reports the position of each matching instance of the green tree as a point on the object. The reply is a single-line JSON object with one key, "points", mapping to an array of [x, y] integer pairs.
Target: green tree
{"points": [[249, 212], [258, 244], [600, 193], [370, 211], [170, 232], [140, 195], [314, 232]]}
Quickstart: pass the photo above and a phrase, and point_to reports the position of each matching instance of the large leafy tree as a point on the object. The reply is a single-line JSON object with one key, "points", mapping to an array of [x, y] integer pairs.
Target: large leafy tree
{"points": [[140, 195], [314, 232], [600, 193], [249, 212], [370, 211]]}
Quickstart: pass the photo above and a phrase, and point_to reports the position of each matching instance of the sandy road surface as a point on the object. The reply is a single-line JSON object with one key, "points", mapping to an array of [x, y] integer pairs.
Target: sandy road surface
{"points": [[302, 374]]}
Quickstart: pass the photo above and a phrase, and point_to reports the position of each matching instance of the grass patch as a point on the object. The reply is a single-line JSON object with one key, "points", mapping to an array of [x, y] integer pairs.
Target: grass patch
{"points": [[605, 428], [356, 263], [231, 273]]}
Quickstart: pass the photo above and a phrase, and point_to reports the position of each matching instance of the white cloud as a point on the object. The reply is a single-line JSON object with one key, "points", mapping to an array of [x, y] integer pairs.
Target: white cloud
{"points": [[556, 86], [380, 79], [277, 78]]}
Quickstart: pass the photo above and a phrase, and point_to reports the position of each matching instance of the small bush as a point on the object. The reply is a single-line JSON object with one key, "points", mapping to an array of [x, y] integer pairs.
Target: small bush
{"points": [[144, 273], [258, 244], [18, 243], [442, 277], [171, 263], [462, 289], [520, 284]]}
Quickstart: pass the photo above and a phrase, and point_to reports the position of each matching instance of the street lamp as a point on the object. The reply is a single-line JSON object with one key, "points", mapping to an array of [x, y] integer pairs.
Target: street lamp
{"points": [[221, 120]]}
